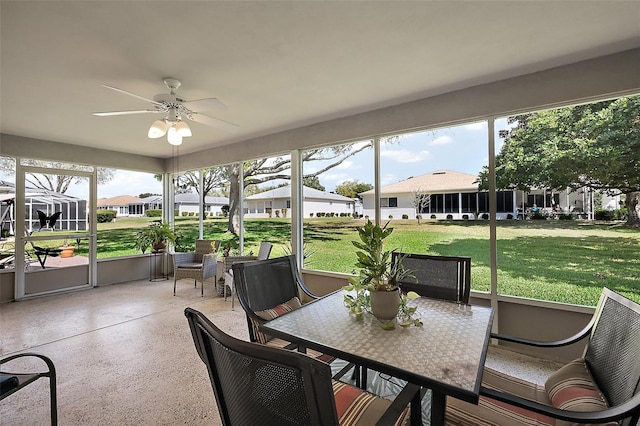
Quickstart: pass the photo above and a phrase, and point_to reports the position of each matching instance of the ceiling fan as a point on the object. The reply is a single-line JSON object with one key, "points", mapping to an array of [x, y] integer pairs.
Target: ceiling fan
{"points": [[175, 108]]}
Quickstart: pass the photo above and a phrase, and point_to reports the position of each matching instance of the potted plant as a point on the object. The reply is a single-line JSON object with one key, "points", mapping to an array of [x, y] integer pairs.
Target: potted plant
{"points": [[156, 236], [67, 250], [376, 284]]}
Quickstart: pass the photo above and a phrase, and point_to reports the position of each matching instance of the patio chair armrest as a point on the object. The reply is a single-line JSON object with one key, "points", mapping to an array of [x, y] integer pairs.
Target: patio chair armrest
{"points": [[410, 394], [209, 266], [618, 412], [550, 344]]}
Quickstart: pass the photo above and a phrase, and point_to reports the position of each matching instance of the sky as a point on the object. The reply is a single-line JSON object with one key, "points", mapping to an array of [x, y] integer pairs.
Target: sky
{"points": [[460, 148]]}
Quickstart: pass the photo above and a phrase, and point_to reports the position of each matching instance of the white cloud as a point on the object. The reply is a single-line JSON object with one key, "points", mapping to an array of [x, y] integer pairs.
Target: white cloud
{"points": [[346, 164], [388, 178], [337, 178], [404, 155], [441, 140], [480, 125]]}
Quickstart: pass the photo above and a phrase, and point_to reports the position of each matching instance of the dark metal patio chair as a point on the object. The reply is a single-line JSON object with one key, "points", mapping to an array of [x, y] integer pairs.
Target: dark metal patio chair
{"points": [[439, 277], [12, 382], [602, 386], [259, 385]]}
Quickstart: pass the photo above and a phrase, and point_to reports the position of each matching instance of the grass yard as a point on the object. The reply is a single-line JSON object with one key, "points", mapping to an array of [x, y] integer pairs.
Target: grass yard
{"points": [[564, 261]]}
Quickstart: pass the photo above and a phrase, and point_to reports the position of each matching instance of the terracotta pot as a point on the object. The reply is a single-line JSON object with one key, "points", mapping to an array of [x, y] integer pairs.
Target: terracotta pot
{"points": [[67, 251], [385, 304], [159, 246]]}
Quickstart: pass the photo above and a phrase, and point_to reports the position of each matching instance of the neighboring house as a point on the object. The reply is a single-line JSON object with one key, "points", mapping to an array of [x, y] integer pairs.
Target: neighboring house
{"points": [[189, 202], [73, 209], [277, 202], [139, 208], [449, 194], [121, 204]]}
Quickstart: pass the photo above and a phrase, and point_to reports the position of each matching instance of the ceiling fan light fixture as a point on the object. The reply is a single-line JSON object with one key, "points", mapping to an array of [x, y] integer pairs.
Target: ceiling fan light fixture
{"points": [[157, 129], [183, 129], [173, 136]]}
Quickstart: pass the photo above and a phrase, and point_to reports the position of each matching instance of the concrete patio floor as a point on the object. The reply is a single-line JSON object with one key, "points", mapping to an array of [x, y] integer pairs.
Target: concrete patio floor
{"points": [[124, 355]]}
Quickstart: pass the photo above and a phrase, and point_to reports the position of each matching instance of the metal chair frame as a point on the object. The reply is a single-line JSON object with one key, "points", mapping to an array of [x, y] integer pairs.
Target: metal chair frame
{"points": [[612, 356], [24, 379]]}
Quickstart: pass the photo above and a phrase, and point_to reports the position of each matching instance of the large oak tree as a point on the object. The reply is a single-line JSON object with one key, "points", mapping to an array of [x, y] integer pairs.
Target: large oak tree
{"points": [[596, 146]]}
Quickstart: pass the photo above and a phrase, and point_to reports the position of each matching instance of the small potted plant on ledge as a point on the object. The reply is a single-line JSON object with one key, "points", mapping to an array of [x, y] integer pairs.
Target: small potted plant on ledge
{"points": [[376, 284], [156, 236]]}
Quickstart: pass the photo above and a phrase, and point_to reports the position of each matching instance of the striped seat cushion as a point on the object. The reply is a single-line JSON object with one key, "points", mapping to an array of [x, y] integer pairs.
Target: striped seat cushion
{"points": [[273, 313], [572, 388], [495, 413], [356, 407]]}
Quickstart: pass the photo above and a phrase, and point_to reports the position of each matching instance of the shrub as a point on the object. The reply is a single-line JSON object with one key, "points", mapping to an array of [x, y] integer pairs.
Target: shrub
{"points": [[433, 216], [153, 213], [277, 213], [484, 216], [390, 216], [465, 216], [418, 216], [565, 216], [311, 214], [185, 214], [509, 216], [405, 216], [449, 217], [105, 216], [538, 216]]}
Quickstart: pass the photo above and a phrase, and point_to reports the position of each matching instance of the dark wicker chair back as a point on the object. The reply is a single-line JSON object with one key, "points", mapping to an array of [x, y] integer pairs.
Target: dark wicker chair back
{"points": [[614, 348], [258, 385], [264, 284], [439, 277]]}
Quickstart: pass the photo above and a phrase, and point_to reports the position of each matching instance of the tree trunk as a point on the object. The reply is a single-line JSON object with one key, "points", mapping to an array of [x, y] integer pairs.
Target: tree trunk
{"points": [[234, 196], [633, 209]]}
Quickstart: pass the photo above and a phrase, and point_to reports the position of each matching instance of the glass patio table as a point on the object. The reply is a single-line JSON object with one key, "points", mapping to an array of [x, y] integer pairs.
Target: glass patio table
{"points": [[446, 355]]}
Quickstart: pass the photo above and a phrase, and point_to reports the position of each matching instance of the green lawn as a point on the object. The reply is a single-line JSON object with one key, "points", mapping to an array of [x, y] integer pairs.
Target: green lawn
{"points": [[564, 261]]}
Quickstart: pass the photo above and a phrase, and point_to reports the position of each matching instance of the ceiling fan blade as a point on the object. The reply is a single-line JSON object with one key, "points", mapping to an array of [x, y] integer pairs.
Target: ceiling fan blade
{"points": [[131, 94], [208, 104], [140, 111], [214, 122]]}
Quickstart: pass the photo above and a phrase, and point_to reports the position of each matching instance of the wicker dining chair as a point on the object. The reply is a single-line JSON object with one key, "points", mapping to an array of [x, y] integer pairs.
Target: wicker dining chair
{"points": [[438, 277], [263, 254], [601, 387], [259, 385], [198, 265]]}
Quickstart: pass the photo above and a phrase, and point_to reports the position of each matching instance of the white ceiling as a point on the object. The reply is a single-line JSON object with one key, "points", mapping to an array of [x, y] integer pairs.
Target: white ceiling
{"points": [[276, 65]]}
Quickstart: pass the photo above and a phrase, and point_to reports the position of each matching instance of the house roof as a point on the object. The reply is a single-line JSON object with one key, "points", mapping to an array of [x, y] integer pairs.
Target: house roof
{"points": [[194, 198], [119, 200], [284, 192], [436, 181]]}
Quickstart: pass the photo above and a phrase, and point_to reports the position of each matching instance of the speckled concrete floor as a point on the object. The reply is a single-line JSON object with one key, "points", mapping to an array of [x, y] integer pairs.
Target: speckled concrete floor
{"points": [[124, 355]]}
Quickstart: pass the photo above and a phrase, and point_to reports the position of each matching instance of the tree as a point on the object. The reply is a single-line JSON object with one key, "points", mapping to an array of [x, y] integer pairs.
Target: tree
{"points": [[353, 189], [421, 201], [596, 146], [267, 169], [59, 183], [312, 182]]}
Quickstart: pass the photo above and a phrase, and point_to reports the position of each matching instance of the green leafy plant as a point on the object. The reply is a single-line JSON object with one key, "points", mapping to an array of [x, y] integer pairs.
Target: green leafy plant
{"points": [[156, 235], [409, 315], [376, 269]]}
